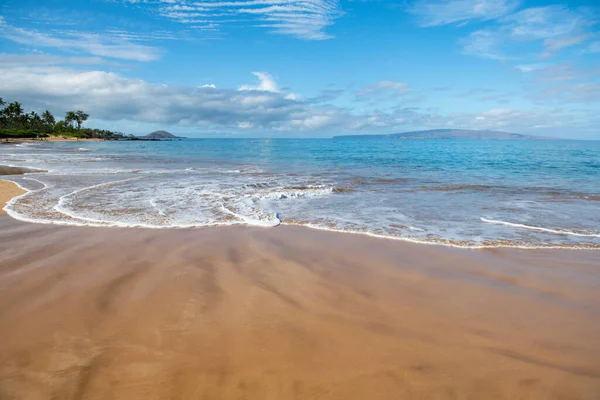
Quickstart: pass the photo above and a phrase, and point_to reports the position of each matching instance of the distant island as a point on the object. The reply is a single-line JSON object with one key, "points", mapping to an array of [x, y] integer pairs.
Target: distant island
{"points": [[448, 134], [161, 135]]}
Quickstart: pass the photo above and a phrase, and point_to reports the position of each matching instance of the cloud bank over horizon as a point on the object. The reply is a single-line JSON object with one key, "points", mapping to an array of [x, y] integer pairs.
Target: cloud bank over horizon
{"points": [[261, 107]]}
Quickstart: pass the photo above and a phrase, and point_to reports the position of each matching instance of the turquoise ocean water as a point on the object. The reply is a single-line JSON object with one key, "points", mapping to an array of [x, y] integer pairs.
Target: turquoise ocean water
{"points": [[469, 193]]}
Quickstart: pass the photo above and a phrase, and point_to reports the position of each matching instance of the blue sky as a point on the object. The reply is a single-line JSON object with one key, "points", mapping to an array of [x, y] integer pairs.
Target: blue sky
{"points": [[307, 68]]}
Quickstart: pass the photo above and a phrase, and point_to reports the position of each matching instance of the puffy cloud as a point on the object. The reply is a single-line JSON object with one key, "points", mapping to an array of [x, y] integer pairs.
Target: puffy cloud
{"points": [[117, 101], [111, 97], [266, 83]]}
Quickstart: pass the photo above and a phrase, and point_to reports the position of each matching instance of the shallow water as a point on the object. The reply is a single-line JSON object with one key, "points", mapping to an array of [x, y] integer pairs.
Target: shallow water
{"points": [[458, 192]]}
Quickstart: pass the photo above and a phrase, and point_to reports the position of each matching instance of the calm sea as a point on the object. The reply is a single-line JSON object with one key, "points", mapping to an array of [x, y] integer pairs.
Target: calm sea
{"points": [[469, 193]]}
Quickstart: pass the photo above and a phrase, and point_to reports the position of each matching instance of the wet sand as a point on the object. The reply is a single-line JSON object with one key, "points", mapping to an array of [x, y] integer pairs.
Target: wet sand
{"points": [[8, 190], [47, 139], [289, 313]]}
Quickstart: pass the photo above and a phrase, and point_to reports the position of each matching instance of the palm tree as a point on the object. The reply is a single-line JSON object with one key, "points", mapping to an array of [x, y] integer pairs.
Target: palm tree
{"points": [[14, 110], [48, 118], [76, 116], [70, 118], [3, 116], [80, 118]]}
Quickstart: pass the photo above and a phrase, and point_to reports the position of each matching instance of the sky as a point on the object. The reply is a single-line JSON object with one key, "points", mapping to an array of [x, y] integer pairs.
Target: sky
{"points": [[307, 68]]}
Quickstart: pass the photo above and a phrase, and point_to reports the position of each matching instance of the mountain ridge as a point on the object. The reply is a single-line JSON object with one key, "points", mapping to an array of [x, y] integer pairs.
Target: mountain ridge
{"points": [[448, 134]]}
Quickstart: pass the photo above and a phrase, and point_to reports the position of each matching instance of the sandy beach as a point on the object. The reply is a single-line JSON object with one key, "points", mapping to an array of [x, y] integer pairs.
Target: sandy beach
{"points": [[8, 190], [289, 313]]}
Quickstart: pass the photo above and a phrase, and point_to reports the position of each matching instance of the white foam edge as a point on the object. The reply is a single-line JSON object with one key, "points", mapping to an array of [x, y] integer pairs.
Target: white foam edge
{"points": [[250, 221], [440, 243], [539, 228], [108, 224]]}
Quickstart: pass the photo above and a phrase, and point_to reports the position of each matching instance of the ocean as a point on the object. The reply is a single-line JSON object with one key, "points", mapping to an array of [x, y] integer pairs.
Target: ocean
{"points": [[464, 193]]}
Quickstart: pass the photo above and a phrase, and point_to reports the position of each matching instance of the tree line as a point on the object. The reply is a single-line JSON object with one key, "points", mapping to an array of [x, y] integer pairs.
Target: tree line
{"points": [[16, 123]]}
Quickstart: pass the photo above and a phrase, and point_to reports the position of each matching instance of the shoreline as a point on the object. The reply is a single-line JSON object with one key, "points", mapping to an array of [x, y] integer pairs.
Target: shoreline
{"points": [[289, 313], [8, 191], [20, 191], [48, 139], [457, 226]]}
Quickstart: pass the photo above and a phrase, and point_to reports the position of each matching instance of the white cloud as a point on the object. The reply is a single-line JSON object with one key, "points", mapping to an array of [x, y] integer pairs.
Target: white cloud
{"points": [[46, 59], [558, 43], [112, 97], [563, 84], [484, 43], [518, 121], [593, 48], [266, 83], [245, 125], [560, 72], [553, 27], [305, 19], [110, 46], [395, 88], [530, 67], [116, 102], [444, 12], [543, 22], [581, 92]]}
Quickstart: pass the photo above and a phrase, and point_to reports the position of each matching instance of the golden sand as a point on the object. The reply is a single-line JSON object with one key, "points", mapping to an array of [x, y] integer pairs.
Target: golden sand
{"points": [[289, 313], [8, 190]]}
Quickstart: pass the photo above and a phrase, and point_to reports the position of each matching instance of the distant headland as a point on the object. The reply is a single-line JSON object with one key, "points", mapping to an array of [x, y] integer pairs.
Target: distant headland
{"points": [[448, 134], [161, 135]]}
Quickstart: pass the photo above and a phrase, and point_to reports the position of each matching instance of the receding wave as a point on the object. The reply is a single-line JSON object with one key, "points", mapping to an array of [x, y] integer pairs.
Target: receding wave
{"points": [[463, 244], [451, 188], [129, 190], [541, 229], [391, 180], [590, 198]]}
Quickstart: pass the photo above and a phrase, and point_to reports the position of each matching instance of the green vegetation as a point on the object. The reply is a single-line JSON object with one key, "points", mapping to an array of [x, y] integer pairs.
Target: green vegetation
{"points": [[15, 123]]}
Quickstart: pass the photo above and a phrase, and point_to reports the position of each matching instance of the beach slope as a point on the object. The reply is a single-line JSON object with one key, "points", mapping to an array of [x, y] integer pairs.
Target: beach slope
{"points": [[289, 313]]}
